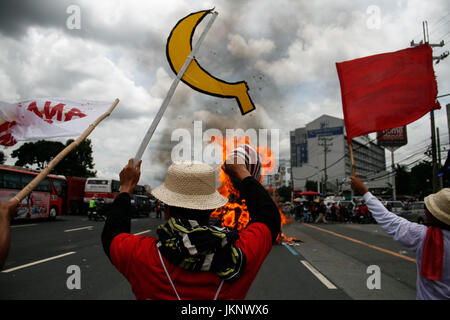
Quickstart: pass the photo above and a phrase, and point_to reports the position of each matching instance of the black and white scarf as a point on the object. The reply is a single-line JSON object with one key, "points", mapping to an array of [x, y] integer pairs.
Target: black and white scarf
{"points": [[192, 247]]}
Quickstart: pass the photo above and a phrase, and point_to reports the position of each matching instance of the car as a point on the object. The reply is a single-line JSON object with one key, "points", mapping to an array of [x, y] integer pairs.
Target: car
{"points": [[416, 212], [396, 207]]}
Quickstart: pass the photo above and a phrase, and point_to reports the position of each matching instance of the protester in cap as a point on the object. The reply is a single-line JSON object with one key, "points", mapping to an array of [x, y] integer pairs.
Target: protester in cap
{"points": [[430, 242], [7, 211], [192, 259]]}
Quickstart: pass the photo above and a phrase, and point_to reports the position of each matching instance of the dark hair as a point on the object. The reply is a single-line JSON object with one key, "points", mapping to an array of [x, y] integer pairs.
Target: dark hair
{"points": [[191, 214], [433, 221]]}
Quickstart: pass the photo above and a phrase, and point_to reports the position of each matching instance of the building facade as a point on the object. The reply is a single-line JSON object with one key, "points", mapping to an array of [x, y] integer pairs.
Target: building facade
{"points": [[320, 152]]}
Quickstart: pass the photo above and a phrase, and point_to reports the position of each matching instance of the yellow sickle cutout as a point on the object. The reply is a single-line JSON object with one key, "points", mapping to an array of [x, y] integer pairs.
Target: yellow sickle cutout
{"points": [[179, 46]]}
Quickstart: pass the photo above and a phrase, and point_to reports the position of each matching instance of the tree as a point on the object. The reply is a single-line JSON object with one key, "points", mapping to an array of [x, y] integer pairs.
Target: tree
{"points": [[311, 185], [38, 153], [78, 163], [285, 193], [402, 180], [422, 179], [2, 157]]}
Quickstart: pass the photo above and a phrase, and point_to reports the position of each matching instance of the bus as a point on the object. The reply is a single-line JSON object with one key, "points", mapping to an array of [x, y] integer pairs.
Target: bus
{"points": [[74, 203], [46, 200], [107, 189]]}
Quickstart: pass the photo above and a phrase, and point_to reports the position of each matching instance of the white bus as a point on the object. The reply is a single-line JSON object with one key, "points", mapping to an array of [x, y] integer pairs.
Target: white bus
{"points": [[107, 189]]}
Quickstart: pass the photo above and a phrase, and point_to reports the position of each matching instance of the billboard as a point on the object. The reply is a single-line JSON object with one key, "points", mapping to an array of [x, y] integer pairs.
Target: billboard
{"points": [[395, 137]]}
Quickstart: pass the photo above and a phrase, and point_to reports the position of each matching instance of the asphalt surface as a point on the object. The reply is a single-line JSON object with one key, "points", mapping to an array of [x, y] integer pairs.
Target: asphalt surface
{"points": [[329, 264]]}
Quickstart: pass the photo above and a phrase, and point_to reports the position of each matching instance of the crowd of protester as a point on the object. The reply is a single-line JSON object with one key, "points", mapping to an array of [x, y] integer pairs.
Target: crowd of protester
{"points": [[318, 211]]}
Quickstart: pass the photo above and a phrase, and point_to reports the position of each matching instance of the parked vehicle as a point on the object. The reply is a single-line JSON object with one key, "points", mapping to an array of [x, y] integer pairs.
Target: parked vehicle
{"points": [[416, 212], [140, 205], [46, 200], [396, 207]]}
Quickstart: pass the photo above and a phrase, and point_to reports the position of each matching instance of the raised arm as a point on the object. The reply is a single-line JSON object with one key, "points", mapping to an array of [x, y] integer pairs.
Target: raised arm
{"points": [[407, 233], [259, 203], [119, 216], [7, 211]]}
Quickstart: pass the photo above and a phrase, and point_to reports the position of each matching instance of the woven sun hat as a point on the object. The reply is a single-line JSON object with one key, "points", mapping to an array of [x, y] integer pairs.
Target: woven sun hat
{"points": [[439, 205], [191, 185]]}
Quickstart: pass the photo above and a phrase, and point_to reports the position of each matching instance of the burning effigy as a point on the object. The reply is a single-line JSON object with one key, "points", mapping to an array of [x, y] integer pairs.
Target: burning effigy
{"points": [[234, 215]]}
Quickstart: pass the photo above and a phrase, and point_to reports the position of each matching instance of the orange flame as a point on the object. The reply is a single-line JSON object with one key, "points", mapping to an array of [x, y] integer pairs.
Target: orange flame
{"points": [[234, 215]]}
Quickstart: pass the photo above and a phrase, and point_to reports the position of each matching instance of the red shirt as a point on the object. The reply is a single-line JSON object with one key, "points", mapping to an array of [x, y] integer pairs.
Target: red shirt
{"points": [[136, 257]]}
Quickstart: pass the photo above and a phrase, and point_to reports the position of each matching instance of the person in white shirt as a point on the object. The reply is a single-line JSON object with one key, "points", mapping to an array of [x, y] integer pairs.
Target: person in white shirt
{"points": [[430, 242]]}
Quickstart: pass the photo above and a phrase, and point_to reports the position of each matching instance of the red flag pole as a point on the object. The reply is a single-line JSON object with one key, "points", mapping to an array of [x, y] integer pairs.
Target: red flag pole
{"points": [[41, 176]]}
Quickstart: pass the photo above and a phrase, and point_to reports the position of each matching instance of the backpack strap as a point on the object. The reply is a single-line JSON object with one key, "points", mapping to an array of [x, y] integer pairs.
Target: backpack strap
{"points": [[173, 286]]}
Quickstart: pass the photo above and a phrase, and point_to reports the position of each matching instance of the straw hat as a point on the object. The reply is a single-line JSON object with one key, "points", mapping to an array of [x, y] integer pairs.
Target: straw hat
{"points": [[439, 205], [190, 185]]}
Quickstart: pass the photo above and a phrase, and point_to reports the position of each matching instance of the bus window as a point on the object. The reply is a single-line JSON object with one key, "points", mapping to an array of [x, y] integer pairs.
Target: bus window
{"points": [[115, 186], [11, 181], [25, 179], [102, 182], [60, 186], [44, 186]]}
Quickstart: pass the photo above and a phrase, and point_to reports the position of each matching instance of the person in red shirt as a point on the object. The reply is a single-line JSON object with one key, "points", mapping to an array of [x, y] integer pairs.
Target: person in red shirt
{"points": [[191, 259]]}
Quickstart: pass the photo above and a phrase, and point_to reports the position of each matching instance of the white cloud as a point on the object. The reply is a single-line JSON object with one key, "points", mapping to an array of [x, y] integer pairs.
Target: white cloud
{"points": [[239, 47]]}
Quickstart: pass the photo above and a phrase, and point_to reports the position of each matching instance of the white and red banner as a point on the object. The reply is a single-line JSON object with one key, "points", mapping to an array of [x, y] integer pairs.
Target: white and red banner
{"points": [[46, 118]]}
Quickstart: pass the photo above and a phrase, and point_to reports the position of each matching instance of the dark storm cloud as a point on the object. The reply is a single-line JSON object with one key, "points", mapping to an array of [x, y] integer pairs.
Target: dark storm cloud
{"points": [[17, 15]]}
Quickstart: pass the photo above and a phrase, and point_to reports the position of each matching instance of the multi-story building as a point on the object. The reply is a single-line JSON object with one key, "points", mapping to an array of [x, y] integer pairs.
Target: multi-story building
{"points": [[320, 152]]}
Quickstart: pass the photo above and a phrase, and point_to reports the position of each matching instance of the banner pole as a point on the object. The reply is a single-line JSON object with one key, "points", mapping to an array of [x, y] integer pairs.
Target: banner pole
{"points": [[52, 164], [171, 92], [352, 159]]}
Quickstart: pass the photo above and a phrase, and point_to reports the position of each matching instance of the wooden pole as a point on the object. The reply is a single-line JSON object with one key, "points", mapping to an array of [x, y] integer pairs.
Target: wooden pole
{"points": [[352, 159], [52, 164]]}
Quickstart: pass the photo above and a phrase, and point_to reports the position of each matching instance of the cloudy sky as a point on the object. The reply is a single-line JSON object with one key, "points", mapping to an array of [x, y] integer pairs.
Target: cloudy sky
{"points": [[286, 50]]}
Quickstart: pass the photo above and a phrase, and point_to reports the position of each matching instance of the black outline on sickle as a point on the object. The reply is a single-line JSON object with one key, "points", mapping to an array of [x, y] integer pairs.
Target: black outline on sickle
{"points": [[206, 12]]}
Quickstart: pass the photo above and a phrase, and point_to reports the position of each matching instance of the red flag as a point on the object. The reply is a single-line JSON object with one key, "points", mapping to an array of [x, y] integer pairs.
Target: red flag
{"points": [[387, 90]]}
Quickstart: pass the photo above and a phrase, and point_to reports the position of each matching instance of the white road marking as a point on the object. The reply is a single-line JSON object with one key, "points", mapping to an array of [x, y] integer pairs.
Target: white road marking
{"points": [[318, 275], [77, 229], [37, 262], [24, 225], [142, 232]]}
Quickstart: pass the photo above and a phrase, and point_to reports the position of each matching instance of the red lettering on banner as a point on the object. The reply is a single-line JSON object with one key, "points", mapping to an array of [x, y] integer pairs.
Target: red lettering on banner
{"points": [[7, 139], [49, 112], [33, 107], [74, 112]]}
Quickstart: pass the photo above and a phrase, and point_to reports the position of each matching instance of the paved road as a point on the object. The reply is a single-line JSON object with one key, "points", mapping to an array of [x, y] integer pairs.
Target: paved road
{"points": [[331, 263]]}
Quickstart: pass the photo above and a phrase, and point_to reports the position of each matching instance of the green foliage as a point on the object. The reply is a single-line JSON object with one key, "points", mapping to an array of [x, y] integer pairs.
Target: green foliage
{"points": [[418, 182], [78, 163], [311, 185], [285, 193]]}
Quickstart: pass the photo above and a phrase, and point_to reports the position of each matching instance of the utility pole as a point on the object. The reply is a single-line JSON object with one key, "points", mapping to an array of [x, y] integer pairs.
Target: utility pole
{"points": [[393, 177], [433, 129], [325, 143], [448, 121], [441, 182]]}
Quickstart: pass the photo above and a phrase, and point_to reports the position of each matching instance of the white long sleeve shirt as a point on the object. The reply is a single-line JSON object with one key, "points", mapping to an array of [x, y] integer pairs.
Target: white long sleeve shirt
{"points": [[412, 236]]}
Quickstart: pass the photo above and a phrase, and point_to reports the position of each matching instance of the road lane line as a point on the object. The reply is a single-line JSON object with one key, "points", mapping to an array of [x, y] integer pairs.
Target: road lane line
{"points": [[77, 229], [292, 250], [24, 225], [318, 275], [398, 255], [142, 232], [38, 262]]}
